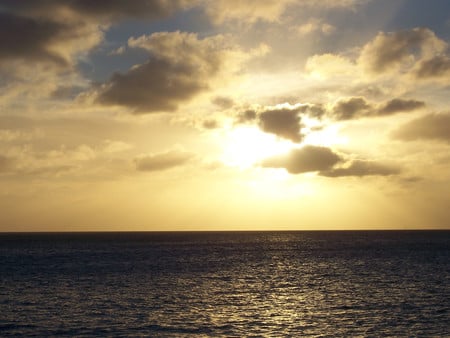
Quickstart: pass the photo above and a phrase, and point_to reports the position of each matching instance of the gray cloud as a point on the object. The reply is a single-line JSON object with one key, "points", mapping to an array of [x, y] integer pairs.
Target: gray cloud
{"points": [[313, 110], [248, 115], [154, 86], [399, 105], [306, 159], [163, 161], [358, 107], [436, 67], [431, 127], [281, 122], [54, 31], [388, 50], [362, 168], [32, 39], [180, 67], [98, 8], [327, 163], [351, 108]]}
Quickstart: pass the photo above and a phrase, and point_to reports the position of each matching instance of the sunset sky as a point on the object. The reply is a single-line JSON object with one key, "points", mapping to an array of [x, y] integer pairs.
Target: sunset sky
{"points": [[224, 115]]}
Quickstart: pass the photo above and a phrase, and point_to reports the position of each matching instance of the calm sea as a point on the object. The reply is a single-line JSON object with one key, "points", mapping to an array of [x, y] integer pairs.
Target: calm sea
{"points": [[226, 284]]}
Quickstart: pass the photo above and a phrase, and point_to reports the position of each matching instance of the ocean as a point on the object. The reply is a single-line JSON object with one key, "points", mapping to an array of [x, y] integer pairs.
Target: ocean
{"points": [[226, 284]]}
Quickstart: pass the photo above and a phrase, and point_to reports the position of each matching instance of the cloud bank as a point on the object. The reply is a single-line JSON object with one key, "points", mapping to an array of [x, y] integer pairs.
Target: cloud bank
{"points": [[429, 127]]}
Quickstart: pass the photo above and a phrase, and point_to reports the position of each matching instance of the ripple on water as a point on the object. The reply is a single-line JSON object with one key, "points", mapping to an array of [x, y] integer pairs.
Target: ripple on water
{"points": [[269, 284]]}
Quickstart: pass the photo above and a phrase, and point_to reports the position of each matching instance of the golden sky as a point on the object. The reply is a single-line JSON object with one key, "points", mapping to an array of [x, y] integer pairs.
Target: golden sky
{"points": [[224, 115]]}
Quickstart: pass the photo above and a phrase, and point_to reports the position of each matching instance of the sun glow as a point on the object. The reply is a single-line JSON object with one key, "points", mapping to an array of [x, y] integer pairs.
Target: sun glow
{"points": [[247, 145], [326, 137]]}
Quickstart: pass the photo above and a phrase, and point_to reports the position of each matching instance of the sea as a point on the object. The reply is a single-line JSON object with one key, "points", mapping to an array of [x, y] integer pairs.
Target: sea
{"points": [[225, 284]]}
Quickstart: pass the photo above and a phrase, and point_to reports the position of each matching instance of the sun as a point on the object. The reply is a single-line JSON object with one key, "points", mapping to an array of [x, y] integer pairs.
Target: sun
{"points": [[245, 146]]}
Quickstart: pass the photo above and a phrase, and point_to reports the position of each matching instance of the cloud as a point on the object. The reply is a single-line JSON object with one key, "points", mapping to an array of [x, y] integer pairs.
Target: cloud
{"points": [[29, 38], [43, 41], [399, 105], [398, 62], [155, 86], [180, 67], [351, 108], [306, 159], [327, 163], [248, 115], [163, 161], [283, 120], [429, 127], [389, 51], [45, 37], [284, 123], [362, 168], [98, 9], [434, 68], [358, 107]]}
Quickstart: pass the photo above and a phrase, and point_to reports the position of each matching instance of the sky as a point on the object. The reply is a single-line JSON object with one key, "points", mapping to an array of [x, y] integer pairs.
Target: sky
{"points": [[158, 115]]}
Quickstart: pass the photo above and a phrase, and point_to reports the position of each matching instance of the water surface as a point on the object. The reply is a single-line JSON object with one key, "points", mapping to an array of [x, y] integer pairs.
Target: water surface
{"points": [[234, 284]]}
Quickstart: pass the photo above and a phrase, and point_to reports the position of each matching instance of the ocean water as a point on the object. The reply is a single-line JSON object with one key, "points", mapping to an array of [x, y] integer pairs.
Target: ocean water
{"points": [[226, 284]]}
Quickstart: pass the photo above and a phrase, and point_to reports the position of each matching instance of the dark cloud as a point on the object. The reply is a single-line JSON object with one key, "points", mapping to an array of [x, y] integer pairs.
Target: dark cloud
{"points": [[358, 107], [306, 159], [247, 116], [155, 86], [180, 66], [98, 8], [163, 161], [30, 38], [284, 123], [431, 127], [400, 105], [362, 168], [54, 31], [66, 92], [312, 110], [324, 161], [436, 67], [388, 50], [351, 108]]}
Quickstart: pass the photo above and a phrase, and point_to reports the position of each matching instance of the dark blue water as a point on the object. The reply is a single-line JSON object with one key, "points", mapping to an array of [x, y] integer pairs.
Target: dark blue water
{"points": [[273, 284]]}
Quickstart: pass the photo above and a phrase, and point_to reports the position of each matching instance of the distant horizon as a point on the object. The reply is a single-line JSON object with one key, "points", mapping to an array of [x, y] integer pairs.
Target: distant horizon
{"points": [[217, 231]]}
